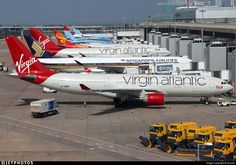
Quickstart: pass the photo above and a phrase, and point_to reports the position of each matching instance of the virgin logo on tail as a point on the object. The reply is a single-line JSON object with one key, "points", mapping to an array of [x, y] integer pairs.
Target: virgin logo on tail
{"points": [[43, 43], [22, 66]]}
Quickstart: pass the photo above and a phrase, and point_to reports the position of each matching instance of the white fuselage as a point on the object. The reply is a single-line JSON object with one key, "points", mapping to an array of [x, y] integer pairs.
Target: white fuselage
{"points": [[94, 35], [117, 85], [109, 64], [123, 50], [115, 60]]}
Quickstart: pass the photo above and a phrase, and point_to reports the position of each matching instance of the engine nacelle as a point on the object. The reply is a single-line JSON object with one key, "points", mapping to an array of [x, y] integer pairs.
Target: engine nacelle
{"points": [[155, 99]]}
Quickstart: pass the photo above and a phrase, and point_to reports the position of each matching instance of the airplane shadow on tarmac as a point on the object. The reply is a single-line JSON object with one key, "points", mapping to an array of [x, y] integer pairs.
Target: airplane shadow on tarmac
{"points": [[133, 104], [27, 101]]}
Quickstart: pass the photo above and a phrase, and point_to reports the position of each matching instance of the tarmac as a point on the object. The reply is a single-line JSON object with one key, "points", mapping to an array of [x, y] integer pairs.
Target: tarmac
{"points": [[89, 128]]}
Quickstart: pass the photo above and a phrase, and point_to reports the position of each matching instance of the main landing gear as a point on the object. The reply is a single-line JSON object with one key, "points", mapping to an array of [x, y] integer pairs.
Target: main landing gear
{"points": [[118, 103], [205, 100]]}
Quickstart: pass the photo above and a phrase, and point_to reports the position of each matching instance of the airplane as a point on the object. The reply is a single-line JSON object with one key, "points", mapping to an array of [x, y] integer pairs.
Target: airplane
{"points": [[85, 40], [116, 64], [63, 42], [101, 64], [95, 36], [38, 52], [151, 89], [119, 49]]}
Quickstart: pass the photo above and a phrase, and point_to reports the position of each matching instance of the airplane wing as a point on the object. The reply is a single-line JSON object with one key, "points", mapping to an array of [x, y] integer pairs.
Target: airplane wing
{"points": [[112, 69], [123, 91]]}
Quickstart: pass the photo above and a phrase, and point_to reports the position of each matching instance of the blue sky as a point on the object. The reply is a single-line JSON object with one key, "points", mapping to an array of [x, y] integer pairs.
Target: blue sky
{"points": [[76, 12], [79, 12]]}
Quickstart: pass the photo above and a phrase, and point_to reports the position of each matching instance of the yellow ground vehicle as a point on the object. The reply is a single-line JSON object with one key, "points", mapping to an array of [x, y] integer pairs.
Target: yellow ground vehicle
{"points": [[225, 146], [167, 140], [191, 132], [202, 136], [178, 135], [157, 134], [230, 124]]}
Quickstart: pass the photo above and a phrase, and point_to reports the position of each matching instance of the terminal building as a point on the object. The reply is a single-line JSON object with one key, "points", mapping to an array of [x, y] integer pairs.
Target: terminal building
{"points": [[118, 31], [205, 14]]}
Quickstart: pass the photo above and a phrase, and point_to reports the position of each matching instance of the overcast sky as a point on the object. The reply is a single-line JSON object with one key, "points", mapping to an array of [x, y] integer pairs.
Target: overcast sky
{"points": [[76, 12]]}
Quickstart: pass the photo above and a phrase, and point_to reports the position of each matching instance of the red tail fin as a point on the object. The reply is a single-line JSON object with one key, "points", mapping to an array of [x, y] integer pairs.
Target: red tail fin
{"points": [[43, 41], [66, 28], [27, 66]]}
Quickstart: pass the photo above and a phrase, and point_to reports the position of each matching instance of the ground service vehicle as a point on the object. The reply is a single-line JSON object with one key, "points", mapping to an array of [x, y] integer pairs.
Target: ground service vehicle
{"points": [[230, 124], [162, 138], [225, 102], [177, 135], [43, 108], [224, 148], [202, 136], [157, 134], [1, 66]]}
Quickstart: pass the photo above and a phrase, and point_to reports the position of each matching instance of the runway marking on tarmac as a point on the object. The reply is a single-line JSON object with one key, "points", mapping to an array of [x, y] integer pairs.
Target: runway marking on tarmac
{"points": [[162, 154], [40, 131], [67, 138], [9, 123], [49, 134], [17, 125], [122, 147], [138, 157], [77, 141]]}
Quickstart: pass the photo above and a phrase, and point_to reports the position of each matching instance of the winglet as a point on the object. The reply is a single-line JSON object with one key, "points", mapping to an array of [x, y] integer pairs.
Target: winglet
{"points": [[84, 87], [82, 54], [79, 63], [87, 70], [70, 56]]}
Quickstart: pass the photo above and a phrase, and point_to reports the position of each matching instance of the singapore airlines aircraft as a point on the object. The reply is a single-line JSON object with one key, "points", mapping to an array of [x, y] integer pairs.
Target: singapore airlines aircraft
{"points": [[114, 49], [114, 64], [151, 89]]}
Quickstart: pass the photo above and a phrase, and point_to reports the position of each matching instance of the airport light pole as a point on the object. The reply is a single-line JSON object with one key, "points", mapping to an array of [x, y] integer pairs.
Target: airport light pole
{"points": [[198, 151], [202, 33]]}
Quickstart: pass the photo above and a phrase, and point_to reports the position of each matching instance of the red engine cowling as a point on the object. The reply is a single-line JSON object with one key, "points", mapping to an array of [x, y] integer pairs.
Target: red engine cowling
{"points": [[155, 99]]}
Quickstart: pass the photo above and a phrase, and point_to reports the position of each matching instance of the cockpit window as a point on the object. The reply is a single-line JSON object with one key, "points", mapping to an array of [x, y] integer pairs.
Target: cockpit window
{"points": [[225, 82]]}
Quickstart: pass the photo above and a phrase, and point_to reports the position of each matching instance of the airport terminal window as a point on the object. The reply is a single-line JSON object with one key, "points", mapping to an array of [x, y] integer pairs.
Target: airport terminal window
{"points": [[164, 68]]}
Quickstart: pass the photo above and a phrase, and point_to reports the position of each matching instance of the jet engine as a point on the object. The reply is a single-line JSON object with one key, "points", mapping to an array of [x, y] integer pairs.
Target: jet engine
{"points": [[154, 99]]}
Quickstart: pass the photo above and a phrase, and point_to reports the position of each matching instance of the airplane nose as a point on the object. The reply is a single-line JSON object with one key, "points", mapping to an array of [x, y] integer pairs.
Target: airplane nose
{"points": [[228, 87]]}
